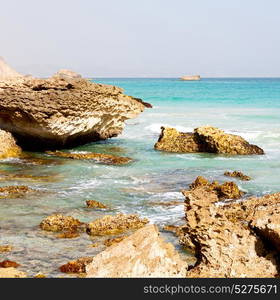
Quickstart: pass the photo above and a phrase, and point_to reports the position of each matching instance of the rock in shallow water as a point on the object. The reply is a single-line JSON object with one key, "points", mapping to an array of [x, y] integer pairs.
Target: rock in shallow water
{"points": [[58, 223], [204, 139], [115, 224], [99, 157], [238, 174], [142, 254], [63, 111]]}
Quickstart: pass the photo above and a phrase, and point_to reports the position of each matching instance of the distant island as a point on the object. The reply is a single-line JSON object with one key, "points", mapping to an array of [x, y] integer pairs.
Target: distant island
{"points": [[192, 77]]}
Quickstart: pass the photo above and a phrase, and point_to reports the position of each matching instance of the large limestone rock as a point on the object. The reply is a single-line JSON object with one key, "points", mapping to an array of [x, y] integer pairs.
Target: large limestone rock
{"points": [[204, 139], [142, 254], [224, 238], [63, 111], [8, 146], [11, 273], [6, 71]]}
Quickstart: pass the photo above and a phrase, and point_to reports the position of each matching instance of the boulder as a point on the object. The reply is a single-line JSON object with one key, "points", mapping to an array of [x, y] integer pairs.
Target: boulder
{"points": [[63, 111], [11, 273], [172, 140], [204, 139], [95, 204], [76, 266], [8, 146], [117, 224], [238, 174], [57, 223], [142, 254], [225, 246], [217, 141]]}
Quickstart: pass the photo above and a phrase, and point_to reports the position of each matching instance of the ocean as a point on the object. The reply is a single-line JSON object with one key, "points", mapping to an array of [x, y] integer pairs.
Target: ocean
{"points": [[249, 107]]}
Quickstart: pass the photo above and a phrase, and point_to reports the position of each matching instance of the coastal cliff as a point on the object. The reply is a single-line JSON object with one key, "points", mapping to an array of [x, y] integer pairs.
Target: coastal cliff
{"points": [[63, 111]]}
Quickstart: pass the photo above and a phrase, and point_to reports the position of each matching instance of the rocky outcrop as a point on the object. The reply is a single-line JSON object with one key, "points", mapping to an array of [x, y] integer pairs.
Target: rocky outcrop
{"points": [[225, 239], [204, 139], [95, 204], [226, 190], [67, 74], [6, 71], [142, 254], [98, 157], [14, 191], [76, 266], [11, 273], [63, 111], [58, 223], [238, 174], [115, 224], [172, 140], [191, 78], [8, 146]]}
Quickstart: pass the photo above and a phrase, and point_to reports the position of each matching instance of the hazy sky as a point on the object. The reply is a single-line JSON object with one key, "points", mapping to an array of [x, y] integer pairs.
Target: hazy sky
{"points": [[142, 38]]}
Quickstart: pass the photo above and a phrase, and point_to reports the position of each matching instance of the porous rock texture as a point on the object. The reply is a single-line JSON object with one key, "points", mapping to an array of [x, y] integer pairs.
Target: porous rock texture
{"points": [[63, 111], [8, 146], [115, 224], [142, 254], [11, 273], [230, 240], [204, 139]]}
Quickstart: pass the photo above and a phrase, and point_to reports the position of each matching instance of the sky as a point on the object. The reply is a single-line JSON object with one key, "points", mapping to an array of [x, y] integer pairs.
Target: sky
{"points": [[142, 38]]}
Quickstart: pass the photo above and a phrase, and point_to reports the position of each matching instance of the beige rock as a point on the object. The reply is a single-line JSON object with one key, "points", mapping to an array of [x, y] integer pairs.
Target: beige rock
{"points": [[59, 222], [224, 247], [11, 273], [63, 111], [8, 146], [64, 73], [238, 174], [204, 139], [115, 224], [142, 254]]}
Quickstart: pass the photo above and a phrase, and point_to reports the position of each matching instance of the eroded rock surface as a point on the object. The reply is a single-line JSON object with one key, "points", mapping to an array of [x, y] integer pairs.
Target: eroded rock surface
{"points": [[225, 239], [142, 254], [238, 174], [11, 273], [57, 223], [115, 224], [63, 111], [99, 157], [204, 139], [8, 146]]}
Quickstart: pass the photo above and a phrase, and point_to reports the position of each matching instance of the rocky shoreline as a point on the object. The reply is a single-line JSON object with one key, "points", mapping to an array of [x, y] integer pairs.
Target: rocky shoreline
{"points": [[229, 233]]}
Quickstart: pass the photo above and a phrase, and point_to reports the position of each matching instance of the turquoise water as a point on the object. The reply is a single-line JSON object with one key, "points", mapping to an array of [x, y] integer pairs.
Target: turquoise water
{"points": [[247, 107]]}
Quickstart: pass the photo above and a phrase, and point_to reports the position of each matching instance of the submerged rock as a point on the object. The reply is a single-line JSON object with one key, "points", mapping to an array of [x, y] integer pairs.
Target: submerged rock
{"points": [[95, 204], [110, 242], [14, 191], [204, 139], [8, 146], [224, 246], [76, 266], [6, 248], [227, 190], [115, 224], [11, 273], [8, 264], [142, 254], [99, 157], [58, 223], [238, 175], [63, 111]]}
